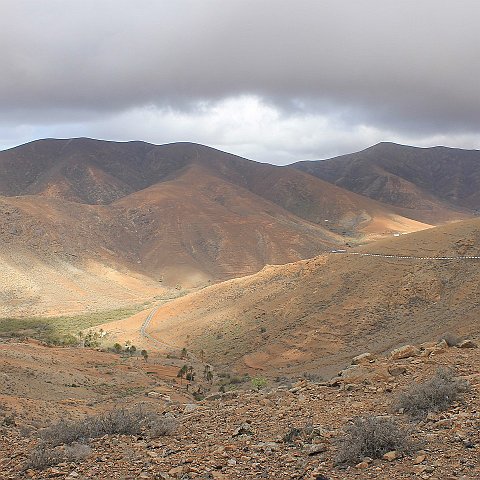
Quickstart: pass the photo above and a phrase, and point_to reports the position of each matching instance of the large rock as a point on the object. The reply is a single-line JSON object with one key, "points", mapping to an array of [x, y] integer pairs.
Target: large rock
{"points": [[369, 373], [396, 370], [390, 456], [363, 358], [467, 344], [406, 351]]}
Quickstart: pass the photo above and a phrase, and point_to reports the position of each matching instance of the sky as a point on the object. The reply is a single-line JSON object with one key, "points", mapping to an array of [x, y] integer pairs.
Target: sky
{"points": [[275, 81]]}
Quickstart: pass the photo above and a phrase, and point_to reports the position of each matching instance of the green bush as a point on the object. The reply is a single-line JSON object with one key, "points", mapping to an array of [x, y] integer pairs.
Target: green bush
{"points": [[258, 383]]}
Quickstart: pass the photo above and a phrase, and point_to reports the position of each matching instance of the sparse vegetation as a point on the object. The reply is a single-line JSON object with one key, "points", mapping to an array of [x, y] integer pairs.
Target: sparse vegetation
{"points": [[313, 377], [182, 372], [44, 455], [259, 382], [227, 381], [371, 437], [61, 330], [190, 375], [122, 421], [435, 394]]}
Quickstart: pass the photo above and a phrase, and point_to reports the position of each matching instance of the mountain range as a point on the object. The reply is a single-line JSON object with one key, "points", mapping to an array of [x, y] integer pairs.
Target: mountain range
{"points": [[133, 219]]}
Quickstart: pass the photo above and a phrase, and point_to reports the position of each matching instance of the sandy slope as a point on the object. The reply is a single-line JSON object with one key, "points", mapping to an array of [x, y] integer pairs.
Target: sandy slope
{"points": [[315, 314]]}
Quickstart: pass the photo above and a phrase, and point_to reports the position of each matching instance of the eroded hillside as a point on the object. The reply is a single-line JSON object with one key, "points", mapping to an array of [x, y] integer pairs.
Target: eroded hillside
{"points": [[318, 313]]}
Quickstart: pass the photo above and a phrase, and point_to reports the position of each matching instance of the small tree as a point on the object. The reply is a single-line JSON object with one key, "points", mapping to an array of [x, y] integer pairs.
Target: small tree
{"points": [[207, 373], [190, 374], [91, 339], [144, 355], [182, 372]]}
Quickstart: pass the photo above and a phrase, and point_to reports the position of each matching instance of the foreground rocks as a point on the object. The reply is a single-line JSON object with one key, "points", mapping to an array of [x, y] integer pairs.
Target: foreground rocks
{"points": [[288, 432]]}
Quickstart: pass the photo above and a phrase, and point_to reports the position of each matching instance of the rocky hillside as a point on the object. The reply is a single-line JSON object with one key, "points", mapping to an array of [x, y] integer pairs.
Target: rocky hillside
{"points": [[287, 430]]}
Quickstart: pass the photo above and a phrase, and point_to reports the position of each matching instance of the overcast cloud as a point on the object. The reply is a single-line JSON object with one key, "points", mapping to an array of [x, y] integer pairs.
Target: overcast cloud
{"points": [[275, 81]]}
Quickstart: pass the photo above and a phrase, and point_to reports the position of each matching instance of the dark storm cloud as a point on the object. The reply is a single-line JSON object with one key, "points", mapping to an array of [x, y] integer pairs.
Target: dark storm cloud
{"points": [[404, 67]]}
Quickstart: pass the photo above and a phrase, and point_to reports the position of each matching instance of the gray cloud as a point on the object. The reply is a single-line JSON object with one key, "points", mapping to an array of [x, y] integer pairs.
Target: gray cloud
{"points": [[406, 70]]}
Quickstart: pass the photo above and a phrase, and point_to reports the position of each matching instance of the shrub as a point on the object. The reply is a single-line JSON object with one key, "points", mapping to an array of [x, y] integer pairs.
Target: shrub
{"points": [[122, 422], [371, 437], [258, 383], [159, 426], [44, 456], [435, 394]]}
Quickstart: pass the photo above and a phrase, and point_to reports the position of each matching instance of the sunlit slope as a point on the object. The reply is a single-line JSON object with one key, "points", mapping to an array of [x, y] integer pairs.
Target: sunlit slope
{"points": [[317, 314]]}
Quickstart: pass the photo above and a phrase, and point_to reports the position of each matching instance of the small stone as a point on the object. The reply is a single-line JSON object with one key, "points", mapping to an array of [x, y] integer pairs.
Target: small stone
{"points": [[362, 465], [231, 462], [244, 429], [190, 407], [467, 344], [315, 449], [419, 459], [390, 456], [175, 471]]}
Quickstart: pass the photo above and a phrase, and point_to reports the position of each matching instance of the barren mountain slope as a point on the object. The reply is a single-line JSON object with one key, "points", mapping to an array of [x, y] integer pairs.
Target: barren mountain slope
{"points": [[317, 314], [181, 214], [429, 184], [99, 172], [201, 225]]}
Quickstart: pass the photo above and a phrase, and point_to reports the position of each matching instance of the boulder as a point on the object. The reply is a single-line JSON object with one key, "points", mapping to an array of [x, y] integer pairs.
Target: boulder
{"points": [[189, 408], [363, 358], [406, 351], [390, 456], [396, 370], [364, 374]]}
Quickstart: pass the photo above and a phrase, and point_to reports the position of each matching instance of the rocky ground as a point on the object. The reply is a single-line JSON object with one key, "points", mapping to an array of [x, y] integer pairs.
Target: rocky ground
{"points": [[289, 431]]}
